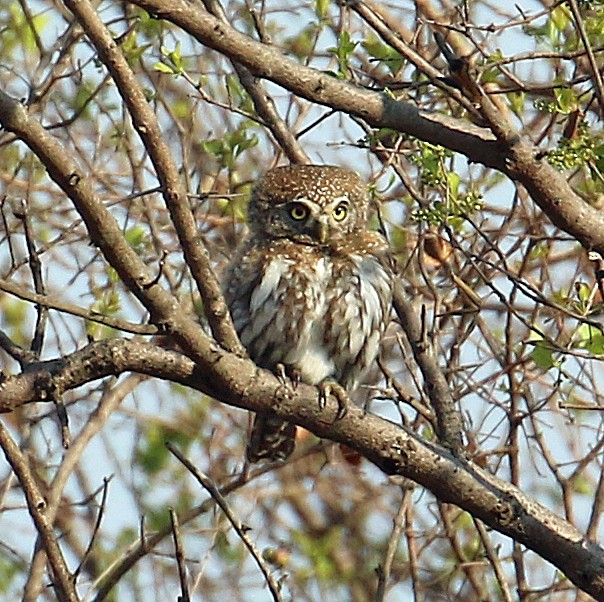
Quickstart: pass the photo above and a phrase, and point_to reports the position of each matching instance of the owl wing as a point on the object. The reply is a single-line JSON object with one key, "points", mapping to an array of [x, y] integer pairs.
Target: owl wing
{"points": [[257, 285], [360, 306]]}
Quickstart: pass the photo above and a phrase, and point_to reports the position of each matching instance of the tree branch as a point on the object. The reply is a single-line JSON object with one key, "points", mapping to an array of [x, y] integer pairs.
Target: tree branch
{"points": [[64, 584], [518, 158], [391, 447], [173, 189]]}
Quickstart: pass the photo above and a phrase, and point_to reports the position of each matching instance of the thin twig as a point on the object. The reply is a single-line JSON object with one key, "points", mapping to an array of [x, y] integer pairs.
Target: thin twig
{"points": [[74, 310], [62, 417], [597, 78], [494, 560], [97, 526], [448, 417], [398, 523], [240, 528], [180, 560], [35, 266]]}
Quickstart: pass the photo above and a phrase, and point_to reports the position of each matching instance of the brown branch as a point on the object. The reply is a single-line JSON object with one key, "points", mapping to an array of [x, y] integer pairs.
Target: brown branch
{"points": [[180, 557], [391, 447], [105, 232], [237, 525], [448, 418], [174, 192], [595, 69], [50, 302], [63, 582], [512, 155], [398, 524], [113, 575], [263, 103]]}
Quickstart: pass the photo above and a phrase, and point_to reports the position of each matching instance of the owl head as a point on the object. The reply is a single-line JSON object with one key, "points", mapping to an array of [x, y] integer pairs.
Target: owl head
{"points": [[309, 204]]}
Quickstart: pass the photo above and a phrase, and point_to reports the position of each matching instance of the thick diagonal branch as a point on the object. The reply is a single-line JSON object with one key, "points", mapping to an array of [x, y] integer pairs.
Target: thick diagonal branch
{"points": [[516, 157], [391, 447]]}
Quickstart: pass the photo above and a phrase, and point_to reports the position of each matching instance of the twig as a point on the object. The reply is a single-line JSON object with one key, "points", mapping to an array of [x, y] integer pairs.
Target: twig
{"points": [[180, 561], [9, 239], [97, 526], [23, 356], [62, 580], [448, 417], [597, 77], [62, 417], [385, 569], [74, 310], [240, 529], [494, 560], [105, 582], [35, 267]]}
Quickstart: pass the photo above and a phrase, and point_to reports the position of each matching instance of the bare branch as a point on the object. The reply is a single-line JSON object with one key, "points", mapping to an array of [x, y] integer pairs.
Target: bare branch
{"points": [[180, 558], [239, 528], [63, 581], [174, 191]]}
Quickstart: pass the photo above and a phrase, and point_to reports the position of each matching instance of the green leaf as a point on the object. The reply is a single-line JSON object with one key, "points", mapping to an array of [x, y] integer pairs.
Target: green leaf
{"points": [[382, 52], [342, 53], [321, 7], [589, 338], [543, 356], [163, 68], [453, 181]]}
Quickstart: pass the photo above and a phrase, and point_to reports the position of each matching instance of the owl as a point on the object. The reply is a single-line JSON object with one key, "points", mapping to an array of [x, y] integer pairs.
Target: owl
{"points": [[309, 289]]}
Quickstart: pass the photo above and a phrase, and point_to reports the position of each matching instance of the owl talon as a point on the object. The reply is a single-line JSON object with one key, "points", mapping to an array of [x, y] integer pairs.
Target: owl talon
{"points": [[288, 377], [330, 387]]}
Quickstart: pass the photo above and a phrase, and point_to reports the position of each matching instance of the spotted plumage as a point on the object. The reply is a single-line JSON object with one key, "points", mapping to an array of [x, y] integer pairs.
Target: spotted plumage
{"points": [[310, 288]]}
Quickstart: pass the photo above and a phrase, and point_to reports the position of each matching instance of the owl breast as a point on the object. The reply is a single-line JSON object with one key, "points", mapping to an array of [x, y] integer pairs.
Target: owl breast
{"points": [[321, 313]]}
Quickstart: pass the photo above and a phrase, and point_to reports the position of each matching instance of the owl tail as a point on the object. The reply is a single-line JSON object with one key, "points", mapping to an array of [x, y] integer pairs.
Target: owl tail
{"points": [[271, 439]]}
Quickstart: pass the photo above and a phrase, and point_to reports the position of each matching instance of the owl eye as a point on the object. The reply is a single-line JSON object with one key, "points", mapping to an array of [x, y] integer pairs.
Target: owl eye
{"points": [[340, 212], [298, 212]]}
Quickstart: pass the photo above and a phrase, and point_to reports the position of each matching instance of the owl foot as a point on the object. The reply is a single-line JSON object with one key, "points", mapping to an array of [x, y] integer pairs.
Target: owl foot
{"points": [[331, 387], [288, 377]]}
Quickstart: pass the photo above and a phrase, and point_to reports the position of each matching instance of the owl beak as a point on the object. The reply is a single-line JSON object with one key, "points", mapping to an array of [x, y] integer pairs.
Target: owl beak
{"points": [[322, 229]]}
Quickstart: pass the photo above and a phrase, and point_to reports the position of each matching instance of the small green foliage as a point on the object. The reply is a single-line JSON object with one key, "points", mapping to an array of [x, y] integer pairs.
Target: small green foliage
{"points": [[137, 238], [583, 149], [8, 570], [320, 553], [303, 44], [131, 48], [147, 25], [107, 304], [17, 30], [238, 94], [560, 18], [343, 52], [582, 485], [228, 148], [14, 313], [565, 102], [383, 53], [172, 61], [589, 338], [80, 101], [552, 32], [431, 162], [517, 102], [321, 8], [543, 355], [452, 213]]}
